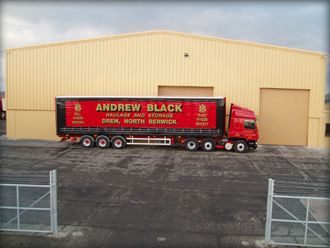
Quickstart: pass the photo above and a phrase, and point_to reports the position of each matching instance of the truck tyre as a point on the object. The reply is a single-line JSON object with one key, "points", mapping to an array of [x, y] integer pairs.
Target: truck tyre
{"points": [[118, 142], [102, 141], [240, 146], [87, 141], [208, 145], [191, 144]]}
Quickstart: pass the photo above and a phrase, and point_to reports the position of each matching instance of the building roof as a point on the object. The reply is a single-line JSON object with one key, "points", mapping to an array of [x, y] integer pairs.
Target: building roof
{"points": [[172, 33]]}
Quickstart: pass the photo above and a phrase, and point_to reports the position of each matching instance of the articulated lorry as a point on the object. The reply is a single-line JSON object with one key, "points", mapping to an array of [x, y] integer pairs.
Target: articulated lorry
{"points": [[192, 122]]}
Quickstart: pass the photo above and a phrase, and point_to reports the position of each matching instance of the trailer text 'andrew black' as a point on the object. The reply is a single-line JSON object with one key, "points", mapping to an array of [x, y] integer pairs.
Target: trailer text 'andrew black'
{"points": [[191, 122]]}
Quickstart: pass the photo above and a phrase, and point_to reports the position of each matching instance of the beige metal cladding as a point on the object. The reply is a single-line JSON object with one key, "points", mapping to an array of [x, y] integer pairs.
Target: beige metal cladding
{"points": [[136, 64]]}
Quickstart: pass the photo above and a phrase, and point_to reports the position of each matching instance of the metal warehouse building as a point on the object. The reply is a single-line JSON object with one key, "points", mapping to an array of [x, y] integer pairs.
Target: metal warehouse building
{"points": [[285, 87]]}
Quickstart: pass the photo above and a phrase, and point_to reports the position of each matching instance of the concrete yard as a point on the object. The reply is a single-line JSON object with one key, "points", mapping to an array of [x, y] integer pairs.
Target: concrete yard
{"points": [[159, 196]]}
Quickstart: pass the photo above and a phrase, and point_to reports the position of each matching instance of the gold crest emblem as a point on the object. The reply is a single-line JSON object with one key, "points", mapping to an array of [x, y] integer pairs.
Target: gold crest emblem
{"points": [[77, 107], [202, 108]]}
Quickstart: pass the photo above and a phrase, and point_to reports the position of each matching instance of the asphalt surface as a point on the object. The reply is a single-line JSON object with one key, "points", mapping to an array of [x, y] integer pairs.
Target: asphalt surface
{"points": [[159, 196]]}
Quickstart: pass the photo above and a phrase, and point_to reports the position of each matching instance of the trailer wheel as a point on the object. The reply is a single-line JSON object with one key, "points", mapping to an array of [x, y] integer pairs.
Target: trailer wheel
{"points": [[87, 141], [102, 141], [208, 145], [240, 146], [118, 142], [191, 144]]}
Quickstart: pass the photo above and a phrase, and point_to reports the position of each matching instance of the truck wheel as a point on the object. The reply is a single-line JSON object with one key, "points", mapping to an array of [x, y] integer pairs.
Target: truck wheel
{"points": [[240, 146], [87, 141], [118, 142], [102, 141], [208, 145], [191, 144]]}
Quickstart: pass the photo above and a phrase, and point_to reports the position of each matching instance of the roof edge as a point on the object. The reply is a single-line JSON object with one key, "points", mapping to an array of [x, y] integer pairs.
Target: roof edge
{"points": [[182, 34], [99, 38], [243, 42]]}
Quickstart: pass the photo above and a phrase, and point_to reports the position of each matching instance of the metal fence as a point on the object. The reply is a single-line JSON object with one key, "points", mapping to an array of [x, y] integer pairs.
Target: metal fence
{"points": [[28, 202], [298, 214]]}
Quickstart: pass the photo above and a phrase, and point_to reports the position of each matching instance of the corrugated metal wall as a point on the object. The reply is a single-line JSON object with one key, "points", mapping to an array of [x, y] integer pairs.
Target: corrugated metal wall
{"points": [[138, 64]]}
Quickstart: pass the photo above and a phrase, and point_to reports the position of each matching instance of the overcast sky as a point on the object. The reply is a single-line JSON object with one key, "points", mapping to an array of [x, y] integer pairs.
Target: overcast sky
{"points": [[296, 24]]}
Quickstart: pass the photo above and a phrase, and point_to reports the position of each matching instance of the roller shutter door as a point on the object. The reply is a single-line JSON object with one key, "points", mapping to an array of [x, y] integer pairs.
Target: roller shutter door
{"points": [[283, 116], [184, 91]]}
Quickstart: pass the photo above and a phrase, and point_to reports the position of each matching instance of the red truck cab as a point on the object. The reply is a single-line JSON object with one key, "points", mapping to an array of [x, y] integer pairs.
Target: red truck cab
{"points": [[242, 129]]}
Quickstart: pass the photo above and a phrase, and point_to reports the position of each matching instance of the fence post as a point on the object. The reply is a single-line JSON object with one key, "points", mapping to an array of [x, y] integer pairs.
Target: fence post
{"points": [[17, 209], [269, 210], [53, 200], [306, 221]]}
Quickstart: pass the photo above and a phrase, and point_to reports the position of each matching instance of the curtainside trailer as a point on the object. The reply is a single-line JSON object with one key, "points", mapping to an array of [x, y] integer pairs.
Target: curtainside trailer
{"points": [[192, 122]]}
